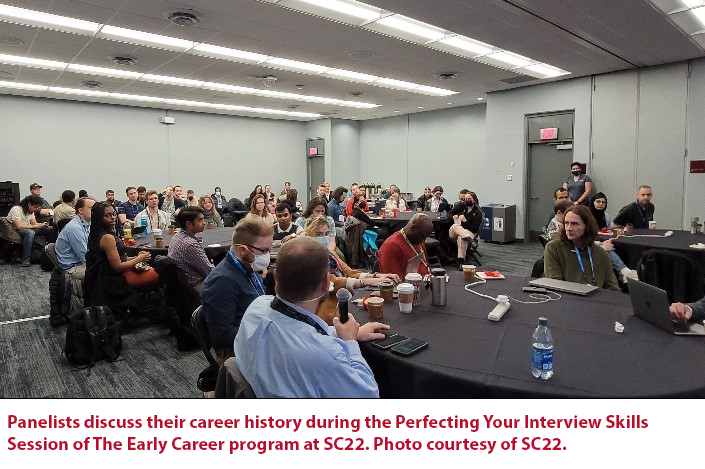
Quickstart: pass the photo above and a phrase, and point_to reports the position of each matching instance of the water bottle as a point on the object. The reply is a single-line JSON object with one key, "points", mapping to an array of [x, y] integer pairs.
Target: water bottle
{"points": [[542, 351], [143, 223]]}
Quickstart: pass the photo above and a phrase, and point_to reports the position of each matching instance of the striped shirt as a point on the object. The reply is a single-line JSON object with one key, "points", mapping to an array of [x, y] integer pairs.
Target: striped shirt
{"points": [[189, 255]]}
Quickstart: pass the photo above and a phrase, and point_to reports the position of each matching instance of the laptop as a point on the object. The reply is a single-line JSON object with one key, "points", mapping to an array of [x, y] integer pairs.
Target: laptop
{"points": [[414, 263], [651, 304], [563, 286]]}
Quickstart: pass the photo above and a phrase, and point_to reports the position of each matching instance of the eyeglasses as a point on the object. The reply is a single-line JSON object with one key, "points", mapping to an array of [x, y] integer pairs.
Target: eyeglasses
{"points": [[260, 250], [110, 215], [598, 201]]}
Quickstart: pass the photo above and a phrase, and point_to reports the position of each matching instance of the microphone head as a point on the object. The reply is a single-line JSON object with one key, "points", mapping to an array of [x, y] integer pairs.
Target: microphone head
{"points": [[343, 295]]}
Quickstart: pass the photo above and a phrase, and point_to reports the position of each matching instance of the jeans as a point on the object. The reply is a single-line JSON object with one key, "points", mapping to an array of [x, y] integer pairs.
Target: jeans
{"points": [[617, 263], [27, 240]]}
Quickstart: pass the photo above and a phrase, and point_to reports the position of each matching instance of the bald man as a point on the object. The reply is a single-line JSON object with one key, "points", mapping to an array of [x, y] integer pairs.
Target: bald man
{"points": [[401, 247]]}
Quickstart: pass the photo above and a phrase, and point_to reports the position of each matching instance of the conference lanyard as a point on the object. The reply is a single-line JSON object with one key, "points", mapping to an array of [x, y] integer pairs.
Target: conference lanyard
{"points": [[286, 310], [644, 214], [257, 285], [582, 267]]}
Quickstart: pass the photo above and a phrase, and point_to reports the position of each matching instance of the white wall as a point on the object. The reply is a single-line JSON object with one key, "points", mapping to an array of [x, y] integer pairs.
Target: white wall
{"points": [[425, 149], [67, 144], [695, 183], [506, 137], [345, 152]]}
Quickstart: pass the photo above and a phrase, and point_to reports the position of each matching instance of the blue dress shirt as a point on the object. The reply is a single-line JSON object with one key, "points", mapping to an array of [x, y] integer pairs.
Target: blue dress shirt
{"points": [[72, 243], [283, 357]]}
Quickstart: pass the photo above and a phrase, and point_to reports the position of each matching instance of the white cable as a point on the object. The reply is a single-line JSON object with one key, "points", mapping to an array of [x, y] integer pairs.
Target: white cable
{"points": [[543, 297]]}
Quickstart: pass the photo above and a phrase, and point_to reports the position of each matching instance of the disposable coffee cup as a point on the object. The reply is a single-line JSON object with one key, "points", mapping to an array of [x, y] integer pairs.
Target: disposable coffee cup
{"points": [[629, 229], [469, 272], [386, 290], [416, 280], [652, 225], [159, 242], [375, 307], [406, 297], [157, 232]]}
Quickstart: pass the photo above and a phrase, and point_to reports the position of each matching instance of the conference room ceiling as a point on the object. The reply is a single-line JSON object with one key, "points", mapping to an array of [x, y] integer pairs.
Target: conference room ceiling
{"points": [[580, 37]]}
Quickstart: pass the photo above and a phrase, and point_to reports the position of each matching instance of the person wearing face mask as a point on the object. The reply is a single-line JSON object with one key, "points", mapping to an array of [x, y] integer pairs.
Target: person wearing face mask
{"points": [[437, 203], [467, 219], [319, 207], [219, 200], [235, 282], [358, 201], [579, 185], [421, 201], [284, 350], [575, 257], [341, 275], [404, 245], [191, 200]]}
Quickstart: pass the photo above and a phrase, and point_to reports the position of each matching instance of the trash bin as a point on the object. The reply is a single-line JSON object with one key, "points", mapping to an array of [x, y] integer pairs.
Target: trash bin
{"points": [[499, 225]]}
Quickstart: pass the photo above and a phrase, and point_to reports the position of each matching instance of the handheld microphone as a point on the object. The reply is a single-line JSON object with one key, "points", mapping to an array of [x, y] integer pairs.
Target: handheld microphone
{"points": [[343, 296]]}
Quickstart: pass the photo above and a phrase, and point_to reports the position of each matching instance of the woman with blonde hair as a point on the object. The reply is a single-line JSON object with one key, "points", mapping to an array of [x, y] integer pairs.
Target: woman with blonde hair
{"points": [[341, 275], [258, 208], [211, 216]]}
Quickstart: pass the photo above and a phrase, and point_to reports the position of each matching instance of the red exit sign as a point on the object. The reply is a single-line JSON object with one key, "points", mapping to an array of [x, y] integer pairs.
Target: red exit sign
{"points": [[313, 151], [549, 133]]}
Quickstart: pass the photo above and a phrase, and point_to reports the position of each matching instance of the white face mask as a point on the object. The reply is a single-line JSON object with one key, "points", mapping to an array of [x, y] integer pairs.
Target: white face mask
{"points": [[217, 192], [323, 241], [261, 262]]}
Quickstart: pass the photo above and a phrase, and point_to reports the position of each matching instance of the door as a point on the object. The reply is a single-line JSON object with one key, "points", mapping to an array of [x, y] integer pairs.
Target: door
{"points": [[315, 174], [548, 168]]}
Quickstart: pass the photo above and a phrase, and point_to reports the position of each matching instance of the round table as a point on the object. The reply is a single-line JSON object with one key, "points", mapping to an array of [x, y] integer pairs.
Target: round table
{"points": [[470, 356], [216, 242], [631, 248], [402, 218]]}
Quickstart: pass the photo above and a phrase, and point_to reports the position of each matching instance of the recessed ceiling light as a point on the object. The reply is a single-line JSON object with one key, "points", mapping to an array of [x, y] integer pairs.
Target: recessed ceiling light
{"points": [[449, 103], [420, 107], [480, 99], [397, 110]]}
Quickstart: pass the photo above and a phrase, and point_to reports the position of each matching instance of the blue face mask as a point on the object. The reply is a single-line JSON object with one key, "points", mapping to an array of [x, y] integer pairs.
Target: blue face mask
{"points": [[323, 240]]}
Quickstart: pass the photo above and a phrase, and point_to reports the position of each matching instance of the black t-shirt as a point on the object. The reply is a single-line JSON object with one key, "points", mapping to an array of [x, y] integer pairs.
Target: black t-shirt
{"points": [[636, 215], [279, 235]]}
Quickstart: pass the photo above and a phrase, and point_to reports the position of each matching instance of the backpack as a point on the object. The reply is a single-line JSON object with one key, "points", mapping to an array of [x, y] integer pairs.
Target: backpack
{"points": [[92, 335]]}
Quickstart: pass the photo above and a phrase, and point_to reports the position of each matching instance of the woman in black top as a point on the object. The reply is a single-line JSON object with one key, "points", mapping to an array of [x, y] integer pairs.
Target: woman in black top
{"points": [[109, 272], [467, 219]]}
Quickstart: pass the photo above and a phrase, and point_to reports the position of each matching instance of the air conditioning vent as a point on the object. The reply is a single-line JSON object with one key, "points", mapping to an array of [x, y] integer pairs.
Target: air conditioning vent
{"points": [[10, 41], [92, 84], [124, 59], [184, 17], [447, 75], [519, 79]]}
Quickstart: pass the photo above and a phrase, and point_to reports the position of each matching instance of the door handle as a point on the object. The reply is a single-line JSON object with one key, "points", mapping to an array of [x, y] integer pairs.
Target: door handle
{"points": [[534, 198]]}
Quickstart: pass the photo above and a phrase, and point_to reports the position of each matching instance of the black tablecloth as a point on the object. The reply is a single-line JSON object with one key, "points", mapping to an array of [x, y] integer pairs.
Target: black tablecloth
{"points": [[630, 249], [214, 236], [470, 356], [402, 218]]}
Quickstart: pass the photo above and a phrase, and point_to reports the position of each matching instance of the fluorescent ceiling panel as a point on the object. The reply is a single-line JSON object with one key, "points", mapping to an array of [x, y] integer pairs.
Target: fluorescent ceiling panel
{"points": [[225, 53], [103, 71], [38, 19], [142, 38], [22, 86], [30, 62], [406, 28], [336, 10]]}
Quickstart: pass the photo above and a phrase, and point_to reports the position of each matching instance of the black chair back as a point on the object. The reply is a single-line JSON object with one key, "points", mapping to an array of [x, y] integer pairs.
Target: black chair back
{"points": [[537, 269], [62, 223], [544, 240], [680, 276], [200, 329]]}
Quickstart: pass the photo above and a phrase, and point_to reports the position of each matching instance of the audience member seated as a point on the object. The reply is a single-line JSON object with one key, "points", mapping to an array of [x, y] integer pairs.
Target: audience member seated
{"points": [[249, 199], [317, 207], [235, 282], [112, 277], [425, 197], [284, 350], [65, 210], [258, 209], [128, 210], [555, 226], [336, 207], [284, 228], [437, 203], [358, 201], [395, 200], [321, 193], [354, 189], [575, 257], [22, 218], [156, 219], [598, 208], [694, 312], [191, 200], [268, 194], [291, 199], [638, 213], [341, 275], [212, 217], [406, 244], [110, 198], [179, 194], [142, 196], [72, 243], [170, 203], [45, 212], [219, 200], [467, 219], [82, 193], [187, 251], [287, 187], [558, 194]]}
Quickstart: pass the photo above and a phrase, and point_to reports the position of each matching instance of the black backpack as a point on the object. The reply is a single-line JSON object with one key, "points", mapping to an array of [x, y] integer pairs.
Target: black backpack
{"points": [[92, 335]]}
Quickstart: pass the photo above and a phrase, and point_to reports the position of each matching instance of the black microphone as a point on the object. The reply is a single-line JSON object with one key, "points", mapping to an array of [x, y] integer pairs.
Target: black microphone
{"points": [[343, 296]]}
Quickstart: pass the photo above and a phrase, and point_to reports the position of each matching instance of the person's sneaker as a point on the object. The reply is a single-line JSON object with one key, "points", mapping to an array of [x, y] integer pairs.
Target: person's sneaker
{"points": [[26, 263], [628, 273]]}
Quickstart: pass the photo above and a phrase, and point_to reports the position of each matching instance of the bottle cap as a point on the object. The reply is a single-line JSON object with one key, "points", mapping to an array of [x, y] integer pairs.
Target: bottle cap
{"points": [[543, 321]]}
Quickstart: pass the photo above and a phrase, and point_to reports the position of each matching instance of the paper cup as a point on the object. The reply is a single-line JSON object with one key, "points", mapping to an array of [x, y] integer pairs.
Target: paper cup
{"points": [[469, 272], [375, 307], [406, 297], [652, 225]]}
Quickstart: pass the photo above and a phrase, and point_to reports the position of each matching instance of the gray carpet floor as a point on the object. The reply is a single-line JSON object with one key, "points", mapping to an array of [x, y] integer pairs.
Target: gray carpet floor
{"points": [[32, 364]]}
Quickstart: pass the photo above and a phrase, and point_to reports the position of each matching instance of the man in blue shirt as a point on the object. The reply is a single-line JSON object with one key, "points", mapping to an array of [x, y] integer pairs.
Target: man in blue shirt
{"points": [[128, 210], [284, 350], [235, 283], [72, 243]]}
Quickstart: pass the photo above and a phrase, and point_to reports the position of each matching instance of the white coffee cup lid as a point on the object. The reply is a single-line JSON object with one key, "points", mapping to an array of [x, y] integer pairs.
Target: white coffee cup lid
{"points": [[413, 276], [405, 288], [157, 232]]}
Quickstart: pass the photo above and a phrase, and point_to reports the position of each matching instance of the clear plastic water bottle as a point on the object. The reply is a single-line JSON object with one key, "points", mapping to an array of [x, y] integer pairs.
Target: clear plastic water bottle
{"points": [[542, 351], [143, 222]]}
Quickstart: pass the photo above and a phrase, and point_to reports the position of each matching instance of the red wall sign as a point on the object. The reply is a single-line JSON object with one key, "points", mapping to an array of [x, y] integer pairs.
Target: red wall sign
{"points": [[697, 166], [549, 133], [313, 151]]}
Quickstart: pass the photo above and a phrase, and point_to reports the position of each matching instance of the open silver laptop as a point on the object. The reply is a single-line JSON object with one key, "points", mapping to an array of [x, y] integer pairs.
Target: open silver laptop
{"points": [[414, 263], [651, 304], [561, 285]]}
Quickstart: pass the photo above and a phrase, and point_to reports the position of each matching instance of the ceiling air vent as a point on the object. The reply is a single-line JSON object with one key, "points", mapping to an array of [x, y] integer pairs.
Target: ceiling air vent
{"points": [[10, 41], [519, 79], [184, 17], [124, 59], [91, 84], [4, 74], [447, 75], [356, 94]]}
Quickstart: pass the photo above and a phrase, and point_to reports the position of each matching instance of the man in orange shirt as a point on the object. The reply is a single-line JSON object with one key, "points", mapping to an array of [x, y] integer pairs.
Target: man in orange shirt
{"points": [[402, 246]]}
